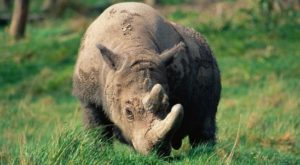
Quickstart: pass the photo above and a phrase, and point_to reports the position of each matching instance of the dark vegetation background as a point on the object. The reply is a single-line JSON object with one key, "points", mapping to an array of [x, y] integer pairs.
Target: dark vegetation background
{"points": [[257, 45]]}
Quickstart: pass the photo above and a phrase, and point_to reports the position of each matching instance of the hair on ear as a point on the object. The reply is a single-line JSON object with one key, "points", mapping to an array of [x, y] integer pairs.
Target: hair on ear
{"points": [[169, 55], [110, 58]]}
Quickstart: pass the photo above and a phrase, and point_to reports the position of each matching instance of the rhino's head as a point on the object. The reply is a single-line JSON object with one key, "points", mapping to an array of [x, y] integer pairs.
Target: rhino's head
{"points": [[137, 101]]}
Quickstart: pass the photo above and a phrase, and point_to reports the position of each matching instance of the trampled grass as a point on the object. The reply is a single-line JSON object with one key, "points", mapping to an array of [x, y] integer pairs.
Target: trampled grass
{"points": [[258, 117]]}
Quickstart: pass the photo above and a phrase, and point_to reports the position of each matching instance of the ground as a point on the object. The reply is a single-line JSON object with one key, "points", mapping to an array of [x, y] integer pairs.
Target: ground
{"points": [[258, 117]]}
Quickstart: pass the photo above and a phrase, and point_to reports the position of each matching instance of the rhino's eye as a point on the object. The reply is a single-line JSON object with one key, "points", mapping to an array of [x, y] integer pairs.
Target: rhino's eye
{"points": [[129, 114]]}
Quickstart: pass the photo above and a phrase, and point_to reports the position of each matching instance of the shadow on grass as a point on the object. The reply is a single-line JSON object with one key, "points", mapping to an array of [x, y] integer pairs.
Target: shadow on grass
{"points": [[200, 150]]}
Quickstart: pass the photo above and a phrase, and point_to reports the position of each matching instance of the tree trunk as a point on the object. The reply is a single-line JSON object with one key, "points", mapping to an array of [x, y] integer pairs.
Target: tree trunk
{"points": [[19, 18]]}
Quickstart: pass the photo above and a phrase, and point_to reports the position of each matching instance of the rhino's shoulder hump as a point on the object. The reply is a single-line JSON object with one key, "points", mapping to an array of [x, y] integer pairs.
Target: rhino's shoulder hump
{"points": [[197, 44]]}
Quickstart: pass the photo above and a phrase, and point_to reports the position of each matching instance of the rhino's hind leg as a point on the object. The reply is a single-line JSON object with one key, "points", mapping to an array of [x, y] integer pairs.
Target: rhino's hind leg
{"points": [[94, 117], [204, 133]]}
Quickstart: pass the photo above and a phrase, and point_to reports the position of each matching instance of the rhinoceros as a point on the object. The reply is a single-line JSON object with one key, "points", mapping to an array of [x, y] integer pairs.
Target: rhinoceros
{"points": [[147, 81]]}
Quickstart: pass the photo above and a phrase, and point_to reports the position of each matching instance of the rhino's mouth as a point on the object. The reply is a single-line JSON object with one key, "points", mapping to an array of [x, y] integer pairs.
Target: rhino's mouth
{"points": [[162, 149]]}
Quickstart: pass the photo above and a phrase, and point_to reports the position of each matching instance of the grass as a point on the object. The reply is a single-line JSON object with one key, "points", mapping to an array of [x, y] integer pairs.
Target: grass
{"points": [[258, 117]]}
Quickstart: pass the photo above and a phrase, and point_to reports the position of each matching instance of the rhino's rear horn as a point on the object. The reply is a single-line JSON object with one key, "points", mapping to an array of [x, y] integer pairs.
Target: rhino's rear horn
{"points": [[110, 58], [153, 100], [169, 55]]}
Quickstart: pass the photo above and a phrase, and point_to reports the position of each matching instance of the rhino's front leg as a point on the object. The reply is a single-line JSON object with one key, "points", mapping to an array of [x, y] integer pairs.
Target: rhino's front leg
{"points": [[94, 117]]}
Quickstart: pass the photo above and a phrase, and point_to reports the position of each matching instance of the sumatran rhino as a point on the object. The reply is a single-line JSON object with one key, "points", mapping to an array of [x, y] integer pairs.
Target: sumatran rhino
{"points": [[147, 81]]}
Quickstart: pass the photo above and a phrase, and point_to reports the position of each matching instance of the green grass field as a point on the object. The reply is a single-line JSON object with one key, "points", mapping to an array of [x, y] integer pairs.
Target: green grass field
{"points": [[258, 118]]}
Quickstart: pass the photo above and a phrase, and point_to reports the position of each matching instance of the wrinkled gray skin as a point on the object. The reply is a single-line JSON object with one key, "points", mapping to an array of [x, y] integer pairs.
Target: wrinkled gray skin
{"points": [[147, 81]]}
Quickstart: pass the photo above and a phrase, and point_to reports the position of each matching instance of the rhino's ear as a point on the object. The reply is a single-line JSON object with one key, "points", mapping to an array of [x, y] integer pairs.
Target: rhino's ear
{"points": [[110, 58], [169, 55]]}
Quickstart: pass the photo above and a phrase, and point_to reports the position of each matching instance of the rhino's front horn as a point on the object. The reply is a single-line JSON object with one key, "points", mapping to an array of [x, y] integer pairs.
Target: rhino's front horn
{"points": [[153, 100], [168, 126]]}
